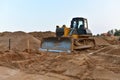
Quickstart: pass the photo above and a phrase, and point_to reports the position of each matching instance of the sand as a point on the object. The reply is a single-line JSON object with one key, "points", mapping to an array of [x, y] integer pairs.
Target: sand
{"points": [[102, 63]]}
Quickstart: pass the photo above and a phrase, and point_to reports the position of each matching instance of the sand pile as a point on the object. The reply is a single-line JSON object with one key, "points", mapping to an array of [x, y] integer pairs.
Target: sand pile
{"points": [[19, 41], [40, 35], [101, 41], [111, 39]]}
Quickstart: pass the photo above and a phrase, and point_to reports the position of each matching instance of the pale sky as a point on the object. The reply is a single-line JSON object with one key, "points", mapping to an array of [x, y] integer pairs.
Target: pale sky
{"points": [[44, 15]]}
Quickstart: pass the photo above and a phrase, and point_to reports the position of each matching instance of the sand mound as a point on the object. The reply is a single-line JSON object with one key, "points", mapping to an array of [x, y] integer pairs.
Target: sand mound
{"points": [[100, 41], [19, 41], [40, 35]]}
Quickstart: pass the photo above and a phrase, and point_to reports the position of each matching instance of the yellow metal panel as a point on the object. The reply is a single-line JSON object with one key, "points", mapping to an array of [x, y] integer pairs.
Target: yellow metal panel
{"points": [[75, 36], [66, 31]]}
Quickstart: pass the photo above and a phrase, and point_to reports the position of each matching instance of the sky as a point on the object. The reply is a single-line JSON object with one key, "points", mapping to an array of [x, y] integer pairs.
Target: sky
{"points": [[44, 15]]}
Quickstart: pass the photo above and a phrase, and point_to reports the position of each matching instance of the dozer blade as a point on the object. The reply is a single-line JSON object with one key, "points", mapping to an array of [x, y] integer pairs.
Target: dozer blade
{"points": [[54, 44]]}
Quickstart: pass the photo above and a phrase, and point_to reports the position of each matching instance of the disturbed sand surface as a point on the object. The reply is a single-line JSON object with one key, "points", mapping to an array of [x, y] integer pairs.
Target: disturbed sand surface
{"points": [[102, 63]]}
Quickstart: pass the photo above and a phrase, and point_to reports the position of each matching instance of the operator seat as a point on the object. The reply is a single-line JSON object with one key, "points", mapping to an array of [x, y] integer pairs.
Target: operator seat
{"points": [[81, 30]]}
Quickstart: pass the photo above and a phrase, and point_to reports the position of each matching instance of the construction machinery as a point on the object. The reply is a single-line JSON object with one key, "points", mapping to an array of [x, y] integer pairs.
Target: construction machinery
{"points": [[77, 37]]}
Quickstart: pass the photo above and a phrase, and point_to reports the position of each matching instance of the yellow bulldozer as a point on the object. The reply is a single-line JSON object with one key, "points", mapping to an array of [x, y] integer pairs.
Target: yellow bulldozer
{"points": [[76, 37]]}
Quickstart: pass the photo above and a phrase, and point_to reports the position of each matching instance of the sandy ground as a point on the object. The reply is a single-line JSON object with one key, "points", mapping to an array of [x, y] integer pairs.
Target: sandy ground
{"points": [[101, 63], [16, 74]]}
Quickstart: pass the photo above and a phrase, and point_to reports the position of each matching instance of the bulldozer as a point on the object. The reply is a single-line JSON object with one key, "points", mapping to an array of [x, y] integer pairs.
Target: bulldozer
{"points": [[76, 37]]}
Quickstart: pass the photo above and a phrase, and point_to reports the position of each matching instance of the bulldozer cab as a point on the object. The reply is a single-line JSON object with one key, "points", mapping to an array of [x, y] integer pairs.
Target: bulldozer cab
{"points": [[80, 24]]}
